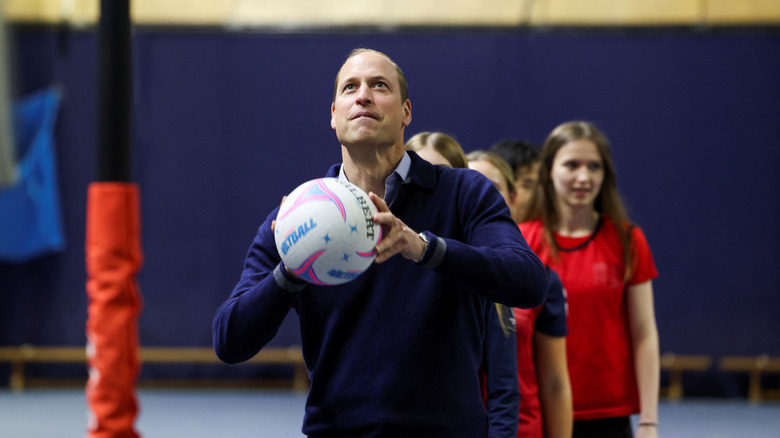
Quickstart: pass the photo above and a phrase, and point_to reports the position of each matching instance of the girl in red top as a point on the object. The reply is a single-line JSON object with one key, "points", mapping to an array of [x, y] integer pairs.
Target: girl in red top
{"points": [[545, 392], [577, 225]]}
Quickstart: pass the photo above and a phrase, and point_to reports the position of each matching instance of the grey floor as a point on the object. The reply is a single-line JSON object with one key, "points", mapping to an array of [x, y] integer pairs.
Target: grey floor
{"points": [[171, 413]]}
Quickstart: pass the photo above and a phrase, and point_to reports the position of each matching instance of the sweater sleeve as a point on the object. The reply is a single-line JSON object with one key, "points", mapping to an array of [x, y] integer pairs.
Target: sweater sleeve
{"points": [[253, 313], [500, 365], [552, 316], [493, 259]]}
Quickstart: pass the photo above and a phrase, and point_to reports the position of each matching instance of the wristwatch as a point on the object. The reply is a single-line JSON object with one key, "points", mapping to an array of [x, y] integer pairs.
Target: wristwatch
{"points": [[426, 241]]}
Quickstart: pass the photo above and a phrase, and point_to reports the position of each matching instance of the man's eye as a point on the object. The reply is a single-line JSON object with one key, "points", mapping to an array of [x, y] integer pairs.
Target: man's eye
{"points": [[381, 85], [349, 87]]}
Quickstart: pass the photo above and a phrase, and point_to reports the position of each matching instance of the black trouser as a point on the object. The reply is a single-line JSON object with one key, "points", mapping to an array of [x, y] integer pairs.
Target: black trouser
{"points": [[615, 427]]}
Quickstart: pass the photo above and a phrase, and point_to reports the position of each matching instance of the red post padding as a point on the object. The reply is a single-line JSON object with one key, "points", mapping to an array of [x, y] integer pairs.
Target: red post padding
{"points": [[113, 259]]}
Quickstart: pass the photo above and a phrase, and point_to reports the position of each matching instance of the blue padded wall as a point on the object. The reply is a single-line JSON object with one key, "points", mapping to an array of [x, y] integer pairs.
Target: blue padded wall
{"points": [[226, 123]]}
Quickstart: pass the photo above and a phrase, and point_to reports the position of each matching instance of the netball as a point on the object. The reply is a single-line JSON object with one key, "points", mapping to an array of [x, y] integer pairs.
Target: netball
{"points": [[325, 233]]}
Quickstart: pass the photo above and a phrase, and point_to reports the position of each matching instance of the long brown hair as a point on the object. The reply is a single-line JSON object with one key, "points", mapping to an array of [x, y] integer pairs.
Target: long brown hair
{"points": [[608, 202]]}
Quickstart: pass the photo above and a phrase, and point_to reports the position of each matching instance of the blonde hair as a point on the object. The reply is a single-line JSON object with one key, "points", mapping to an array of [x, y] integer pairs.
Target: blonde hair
{"points": [[442, 143], [499, 163]]}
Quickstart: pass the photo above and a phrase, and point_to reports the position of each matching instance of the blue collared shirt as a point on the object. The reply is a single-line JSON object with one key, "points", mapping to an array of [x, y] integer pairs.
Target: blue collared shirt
{"points": [[394, 181]]}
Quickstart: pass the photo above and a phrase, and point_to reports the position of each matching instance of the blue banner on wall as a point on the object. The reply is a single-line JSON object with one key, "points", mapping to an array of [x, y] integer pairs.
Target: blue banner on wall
{"points": [[30, 211]]}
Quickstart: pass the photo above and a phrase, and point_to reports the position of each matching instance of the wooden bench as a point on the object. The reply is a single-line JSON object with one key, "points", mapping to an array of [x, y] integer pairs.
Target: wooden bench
{"points": [[675, 365], [755, 366], [19, 356]]}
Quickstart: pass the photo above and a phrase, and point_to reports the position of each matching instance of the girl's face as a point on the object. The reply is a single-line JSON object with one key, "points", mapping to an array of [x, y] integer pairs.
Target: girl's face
{"points": [[526, 178], [577, 174], [494, 175]]}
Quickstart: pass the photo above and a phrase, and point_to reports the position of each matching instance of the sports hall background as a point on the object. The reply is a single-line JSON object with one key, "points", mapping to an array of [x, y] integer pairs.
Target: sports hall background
{"points": [[227, 120]]}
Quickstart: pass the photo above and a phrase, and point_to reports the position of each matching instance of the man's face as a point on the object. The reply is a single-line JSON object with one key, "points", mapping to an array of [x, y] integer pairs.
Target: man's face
{"points": [[367, 108]]}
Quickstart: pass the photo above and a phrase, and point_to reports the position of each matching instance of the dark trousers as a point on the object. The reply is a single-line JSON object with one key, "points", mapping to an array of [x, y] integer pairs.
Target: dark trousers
{"points": [[616, 427]]}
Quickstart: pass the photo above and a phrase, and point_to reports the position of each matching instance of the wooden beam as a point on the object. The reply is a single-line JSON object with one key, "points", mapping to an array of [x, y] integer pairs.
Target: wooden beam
{"points": [[301, 13]]}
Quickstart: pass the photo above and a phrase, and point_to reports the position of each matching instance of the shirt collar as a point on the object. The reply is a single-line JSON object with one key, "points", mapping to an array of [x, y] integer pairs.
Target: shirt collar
{"points": [[402, 169]]}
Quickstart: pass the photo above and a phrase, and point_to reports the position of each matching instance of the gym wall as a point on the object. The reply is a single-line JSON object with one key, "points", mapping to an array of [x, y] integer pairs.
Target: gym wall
{"points": [[228, 121]]}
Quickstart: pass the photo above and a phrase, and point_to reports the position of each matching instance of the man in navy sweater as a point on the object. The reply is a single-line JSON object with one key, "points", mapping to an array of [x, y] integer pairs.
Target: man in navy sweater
{"points": [[395, 352]]}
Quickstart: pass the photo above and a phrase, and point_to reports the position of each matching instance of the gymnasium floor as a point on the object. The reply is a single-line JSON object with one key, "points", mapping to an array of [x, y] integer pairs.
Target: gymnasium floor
{"points": [[169, 413]]}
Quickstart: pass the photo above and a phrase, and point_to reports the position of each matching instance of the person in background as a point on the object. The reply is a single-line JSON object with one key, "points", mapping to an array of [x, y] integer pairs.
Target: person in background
{"points": [[498, 374], [545, 390], [438, 148], [577, 224], [396, 351], [545, 393], [496, 169], [523, 159]]}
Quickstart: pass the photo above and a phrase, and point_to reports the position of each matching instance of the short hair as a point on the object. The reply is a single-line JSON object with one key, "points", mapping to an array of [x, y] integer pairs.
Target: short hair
{"points": [[442, 143], [517, 153], [500, 164], [403, 86]]}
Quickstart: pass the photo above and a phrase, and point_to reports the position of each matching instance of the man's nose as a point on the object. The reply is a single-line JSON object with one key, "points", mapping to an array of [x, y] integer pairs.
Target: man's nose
{"points": [[364, 95]]}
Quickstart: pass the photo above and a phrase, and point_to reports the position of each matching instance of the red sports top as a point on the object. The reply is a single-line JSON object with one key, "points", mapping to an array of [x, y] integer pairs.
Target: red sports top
{"points": [[598, 346], [550, 319]]}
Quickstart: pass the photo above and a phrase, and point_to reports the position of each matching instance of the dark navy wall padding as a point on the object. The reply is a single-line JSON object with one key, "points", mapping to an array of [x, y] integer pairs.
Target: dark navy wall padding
{"points": [[226, 123]]}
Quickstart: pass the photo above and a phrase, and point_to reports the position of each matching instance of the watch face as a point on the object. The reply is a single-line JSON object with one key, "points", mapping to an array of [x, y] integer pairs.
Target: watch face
{"points": [[426, 241]]}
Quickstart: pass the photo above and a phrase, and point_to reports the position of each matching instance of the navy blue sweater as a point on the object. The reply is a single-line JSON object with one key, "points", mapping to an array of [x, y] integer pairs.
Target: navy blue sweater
{"points": [[396, 352]]}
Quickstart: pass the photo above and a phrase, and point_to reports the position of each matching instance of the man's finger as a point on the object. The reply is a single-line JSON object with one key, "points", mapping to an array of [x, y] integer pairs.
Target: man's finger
{"points": [[381, 206], [384, 218], [388, 241], [389, 249]]}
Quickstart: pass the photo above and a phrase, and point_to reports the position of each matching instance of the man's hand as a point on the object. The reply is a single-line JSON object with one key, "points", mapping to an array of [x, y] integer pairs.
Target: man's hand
{"points": [[396, 236], [273, 222], [273, 230]]}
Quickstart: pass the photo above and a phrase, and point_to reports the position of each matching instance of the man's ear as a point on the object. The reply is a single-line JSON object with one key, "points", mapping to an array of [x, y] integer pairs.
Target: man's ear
{"points": [[407, 112], [332, 119]]}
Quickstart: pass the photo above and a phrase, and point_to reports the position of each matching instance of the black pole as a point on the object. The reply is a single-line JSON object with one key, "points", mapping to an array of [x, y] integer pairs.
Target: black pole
{"points": [[113, 240], [8, 174], [114, 92]]}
